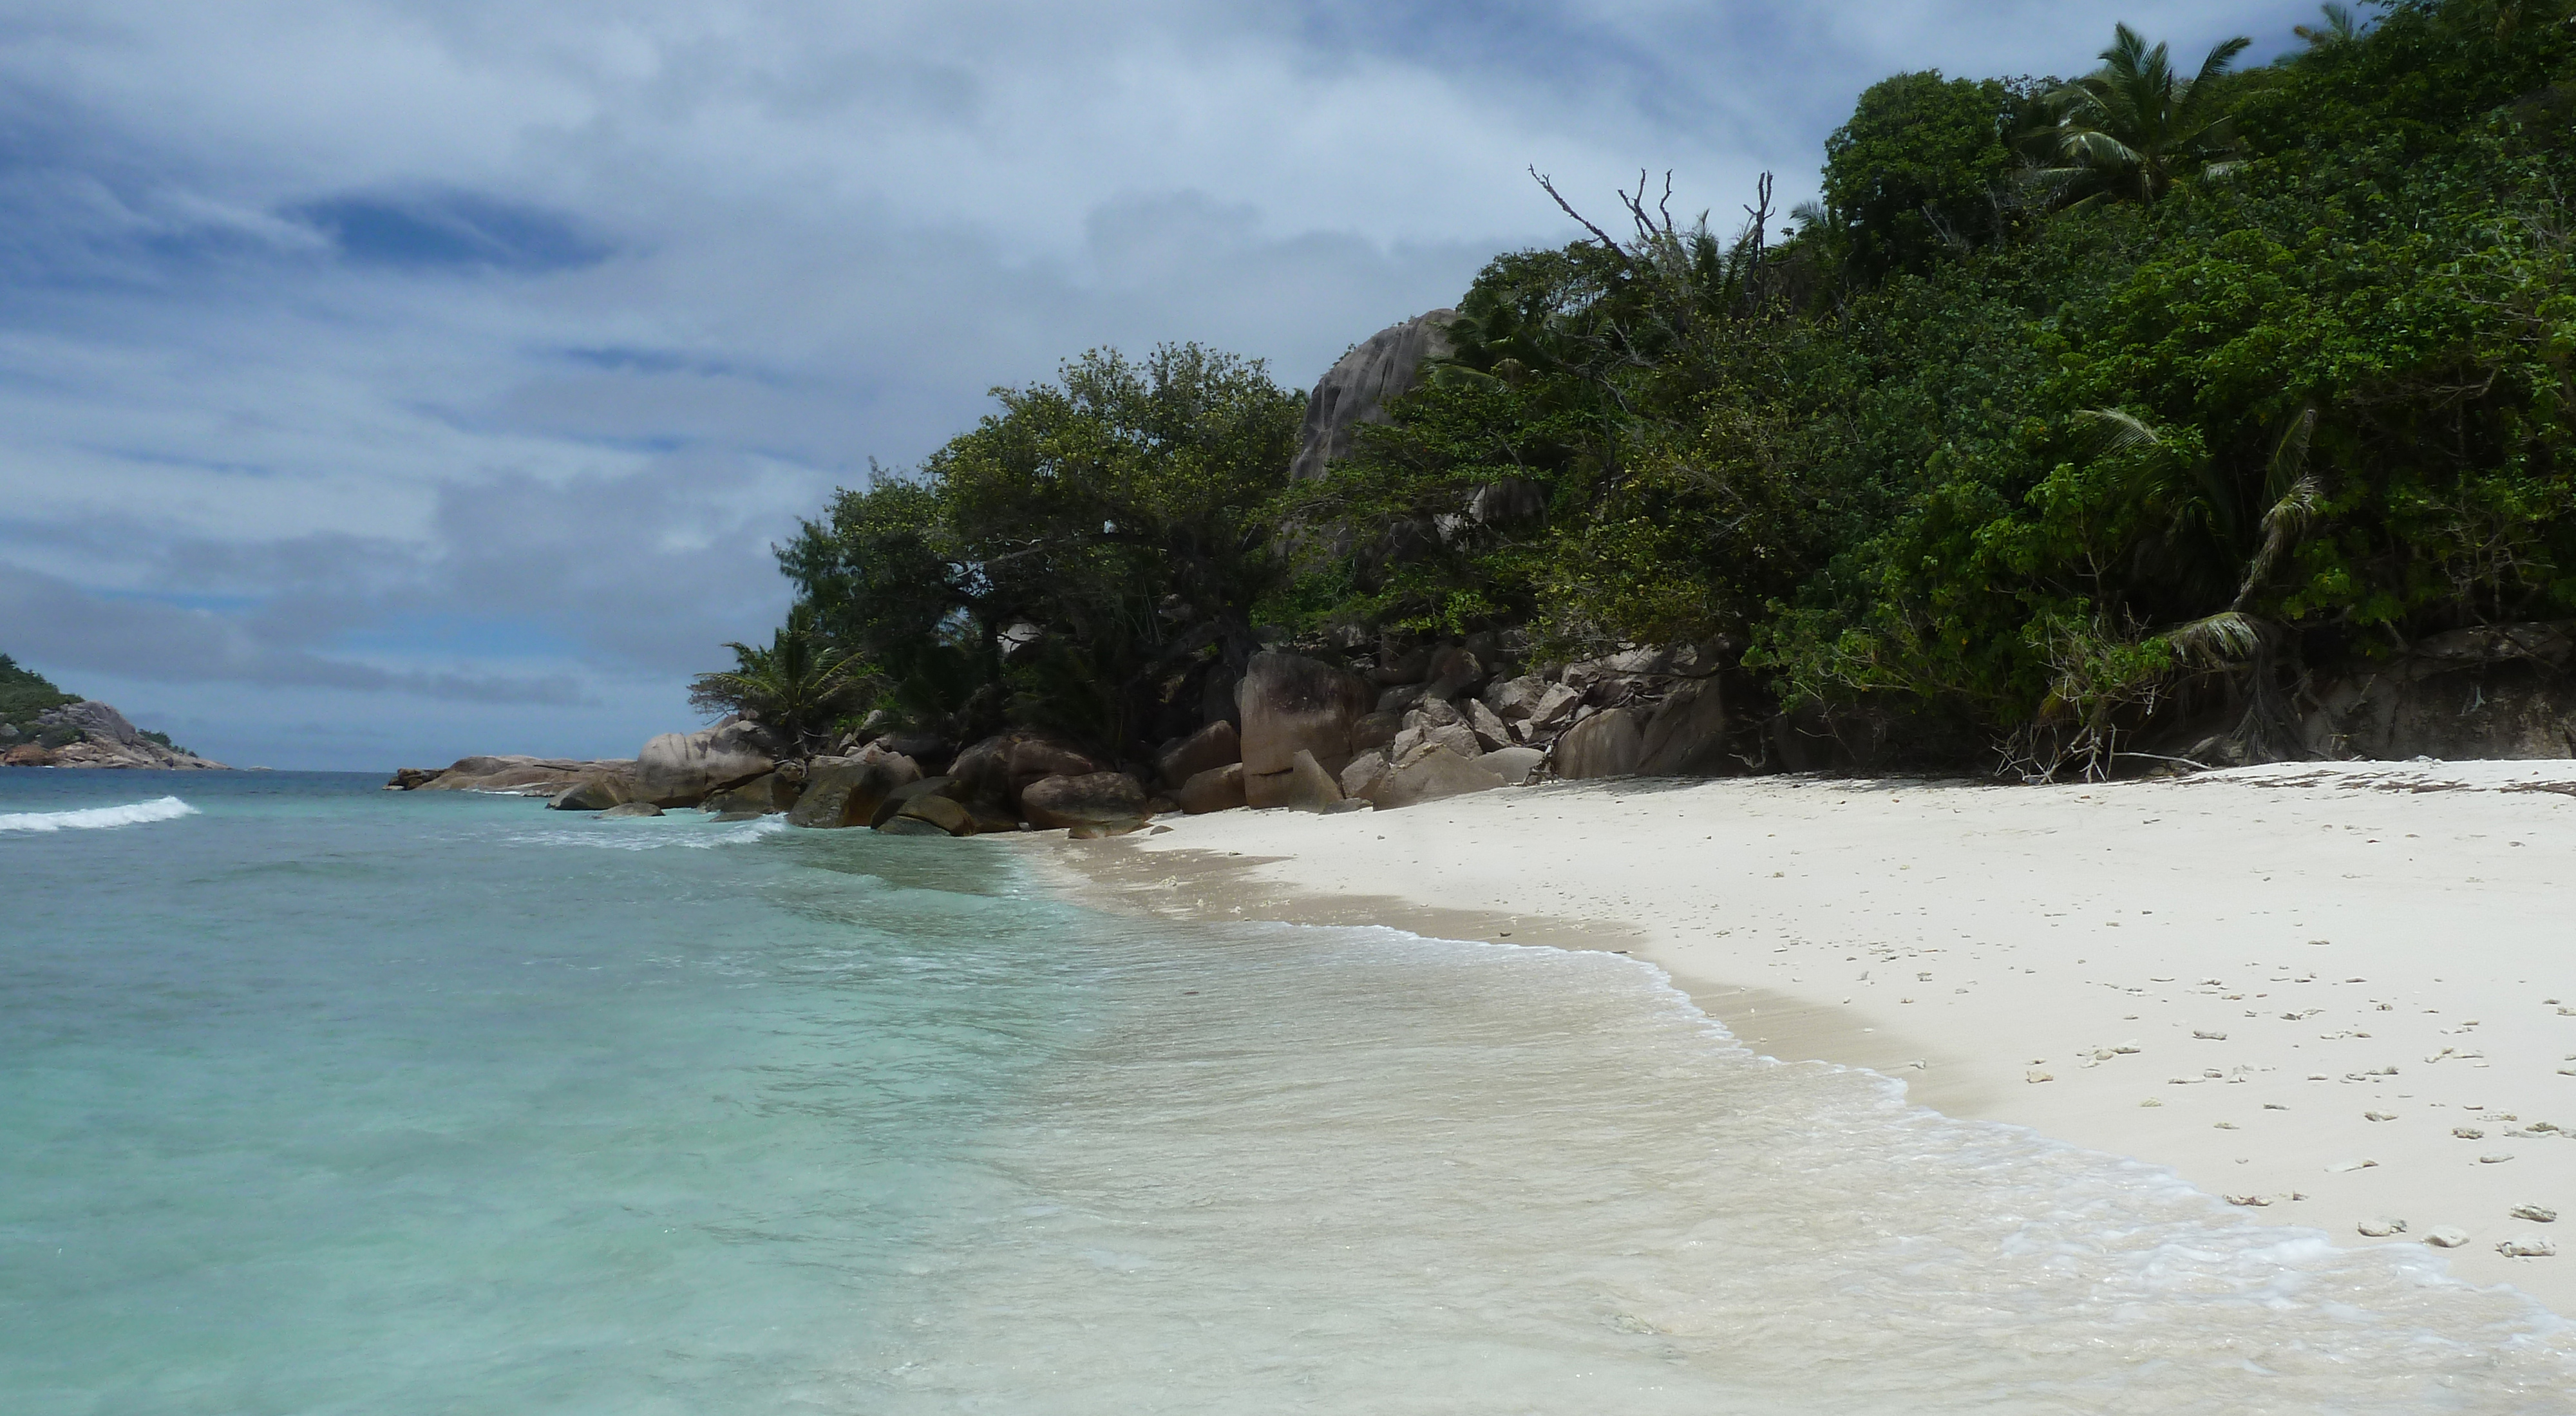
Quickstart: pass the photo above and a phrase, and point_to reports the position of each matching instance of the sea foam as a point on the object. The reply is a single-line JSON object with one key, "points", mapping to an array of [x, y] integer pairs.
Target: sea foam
{"points": [[98, 818]]}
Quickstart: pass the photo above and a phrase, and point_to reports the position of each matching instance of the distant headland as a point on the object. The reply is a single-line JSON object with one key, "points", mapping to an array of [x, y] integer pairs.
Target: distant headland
{"points": [[42, 726]]}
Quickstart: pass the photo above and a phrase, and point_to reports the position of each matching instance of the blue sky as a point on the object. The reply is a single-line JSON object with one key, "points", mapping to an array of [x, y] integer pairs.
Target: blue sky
{"points": [[382, 382]]}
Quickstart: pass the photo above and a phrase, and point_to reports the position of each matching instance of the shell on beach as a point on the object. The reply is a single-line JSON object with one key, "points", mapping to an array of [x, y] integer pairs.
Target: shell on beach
{"points": [[2526, 1247], [2495, 1158], [2446, 1237], [2537, 1214], [2381, 1228]]}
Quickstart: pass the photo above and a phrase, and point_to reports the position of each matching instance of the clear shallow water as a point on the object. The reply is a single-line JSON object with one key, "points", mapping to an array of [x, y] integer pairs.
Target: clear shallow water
{"points": [[319, 1099]]}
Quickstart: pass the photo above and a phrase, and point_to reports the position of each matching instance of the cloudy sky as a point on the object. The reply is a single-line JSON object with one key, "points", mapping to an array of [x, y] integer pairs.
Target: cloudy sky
{"points": [[382, 381]]}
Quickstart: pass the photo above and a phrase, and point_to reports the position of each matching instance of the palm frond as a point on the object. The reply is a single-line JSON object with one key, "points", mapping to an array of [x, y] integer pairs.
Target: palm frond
{"points": [[2215, 640]]}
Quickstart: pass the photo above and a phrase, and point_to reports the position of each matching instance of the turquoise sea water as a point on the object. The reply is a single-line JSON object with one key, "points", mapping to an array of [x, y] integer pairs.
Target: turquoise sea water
{"points": [[316, 1099]]}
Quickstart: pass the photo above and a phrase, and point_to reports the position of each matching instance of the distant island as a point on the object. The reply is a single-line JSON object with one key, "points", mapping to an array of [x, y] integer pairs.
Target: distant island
{"points": [[42, 726]]}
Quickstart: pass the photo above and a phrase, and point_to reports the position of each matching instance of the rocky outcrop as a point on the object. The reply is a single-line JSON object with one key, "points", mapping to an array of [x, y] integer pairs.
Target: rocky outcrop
{"points": [[1358, 387], [1289, 705], [89, 733], [846, 791], [598, 791], [630, 808], [523, 776], [768, 794], [683, 769]]}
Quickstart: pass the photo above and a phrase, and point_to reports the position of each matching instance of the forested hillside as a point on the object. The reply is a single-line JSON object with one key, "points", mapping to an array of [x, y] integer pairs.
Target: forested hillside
{"points": [[2079, 416]]}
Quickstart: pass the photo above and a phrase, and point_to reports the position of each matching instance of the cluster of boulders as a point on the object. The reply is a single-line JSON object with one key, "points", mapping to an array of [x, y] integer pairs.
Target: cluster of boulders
{"points": [[90, 734], [1407, 725]]}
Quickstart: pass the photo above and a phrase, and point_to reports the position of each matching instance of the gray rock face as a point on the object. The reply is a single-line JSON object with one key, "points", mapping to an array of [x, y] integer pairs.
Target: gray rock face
{"points": [[1514, 699], [1686, 737], [1491, 732], [683, 769], [1093, 799], [631, 808], [94, 719], [1607, 744], [1290, 705], [1357, 389], [1212, 746], [1216, 789], [1366, 777], [1553, 712], [103, 738]]}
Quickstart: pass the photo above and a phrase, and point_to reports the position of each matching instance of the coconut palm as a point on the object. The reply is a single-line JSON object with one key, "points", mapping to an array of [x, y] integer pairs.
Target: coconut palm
{"points": [[2134, 127], [796, 687]]}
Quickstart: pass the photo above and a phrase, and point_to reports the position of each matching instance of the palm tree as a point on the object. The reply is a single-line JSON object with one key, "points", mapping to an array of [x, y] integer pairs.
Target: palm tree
{"points": [[2134, 127], [795, 687]]}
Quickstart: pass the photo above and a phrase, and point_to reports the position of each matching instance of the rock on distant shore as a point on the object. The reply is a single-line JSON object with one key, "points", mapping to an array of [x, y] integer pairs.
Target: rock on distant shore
{"points": [[92, 734]]}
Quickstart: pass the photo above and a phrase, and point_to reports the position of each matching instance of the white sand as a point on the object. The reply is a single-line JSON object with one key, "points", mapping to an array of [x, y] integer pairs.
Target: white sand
{"points": [[2286, 948]]}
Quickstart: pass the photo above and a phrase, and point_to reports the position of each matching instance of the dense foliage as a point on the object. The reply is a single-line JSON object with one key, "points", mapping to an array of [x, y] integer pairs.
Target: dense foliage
{"points": [[24, 693], [1080, 559], [2073, 409]]}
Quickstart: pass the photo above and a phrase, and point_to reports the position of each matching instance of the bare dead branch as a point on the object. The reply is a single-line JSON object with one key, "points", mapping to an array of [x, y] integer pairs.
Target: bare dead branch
{"points": [[1567, 207]]}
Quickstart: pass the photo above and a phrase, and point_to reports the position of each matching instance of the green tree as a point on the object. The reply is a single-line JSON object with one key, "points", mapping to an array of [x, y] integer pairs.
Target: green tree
{"points": [[1072, 558], [2131, 129], [1916, 171]]}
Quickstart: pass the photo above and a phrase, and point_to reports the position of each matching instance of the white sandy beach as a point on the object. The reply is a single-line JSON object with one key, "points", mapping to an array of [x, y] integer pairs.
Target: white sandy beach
{"points": [[2291, 952]]}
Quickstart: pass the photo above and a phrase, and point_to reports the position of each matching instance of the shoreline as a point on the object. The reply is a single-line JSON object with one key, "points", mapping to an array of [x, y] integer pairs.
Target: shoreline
{"points": [[2268, 940]]}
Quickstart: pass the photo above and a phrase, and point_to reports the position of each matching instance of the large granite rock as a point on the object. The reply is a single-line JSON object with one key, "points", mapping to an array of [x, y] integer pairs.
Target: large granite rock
{"points": [[1515, 765], [942, 812], [766, 795], [1430, 775], [630, 808], [1686, 737], [1093, 799], [844, 791], [999, 768], [1607, 744], [100, 736], [1290, 705], [1212, 746], [1216, 789], [1357, 389], [596, 791], [1308, 786], [683, 769]]}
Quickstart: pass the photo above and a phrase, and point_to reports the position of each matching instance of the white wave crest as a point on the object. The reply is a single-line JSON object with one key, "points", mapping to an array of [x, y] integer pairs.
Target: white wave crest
{"points": [[98, 818], [641, 836]]}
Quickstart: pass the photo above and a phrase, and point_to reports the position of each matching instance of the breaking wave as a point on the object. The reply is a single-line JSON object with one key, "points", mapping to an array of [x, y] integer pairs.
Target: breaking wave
{"points": [[651, 834], [98, 818]]}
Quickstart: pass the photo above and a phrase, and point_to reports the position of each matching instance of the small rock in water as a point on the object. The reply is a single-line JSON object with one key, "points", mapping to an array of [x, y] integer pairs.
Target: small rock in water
{"points": [[2254, 1201], [2537, 1214], [2528, 1246], [2381, 1228], [2468, 1133], [2447, 1237]]}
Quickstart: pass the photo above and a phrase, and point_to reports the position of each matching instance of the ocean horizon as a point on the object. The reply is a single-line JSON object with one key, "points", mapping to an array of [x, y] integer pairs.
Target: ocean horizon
{"points": [[324, 1099]]}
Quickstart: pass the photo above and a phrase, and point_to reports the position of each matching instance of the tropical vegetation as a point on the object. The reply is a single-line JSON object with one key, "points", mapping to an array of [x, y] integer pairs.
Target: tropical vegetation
{"points": [[2073, 410]]}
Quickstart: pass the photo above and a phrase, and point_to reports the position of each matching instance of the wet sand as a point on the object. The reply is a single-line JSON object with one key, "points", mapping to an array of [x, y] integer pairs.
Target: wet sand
{"points": [[2238, 975]]}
